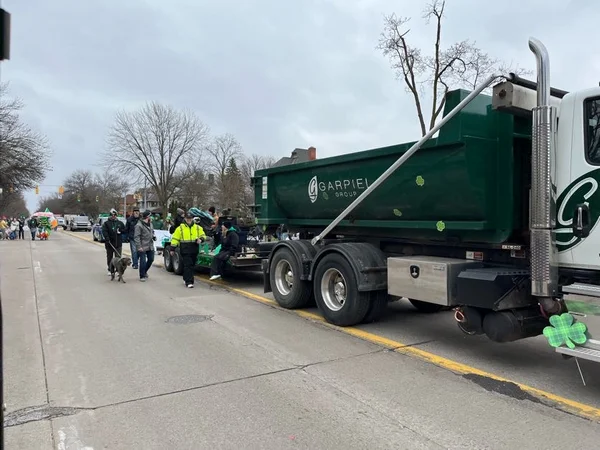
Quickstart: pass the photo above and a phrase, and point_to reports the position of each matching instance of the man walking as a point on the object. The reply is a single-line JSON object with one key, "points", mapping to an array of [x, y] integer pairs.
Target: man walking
{"points": [[21, 227], [113, 230], [143, 239], [130, 230], [229, 246], [188, 237], [33, 226]]}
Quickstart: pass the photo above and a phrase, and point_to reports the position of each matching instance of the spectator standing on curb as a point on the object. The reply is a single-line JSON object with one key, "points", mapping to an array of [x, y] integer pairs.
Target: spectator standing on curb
{"points": [[144, 243], [129, 231]]}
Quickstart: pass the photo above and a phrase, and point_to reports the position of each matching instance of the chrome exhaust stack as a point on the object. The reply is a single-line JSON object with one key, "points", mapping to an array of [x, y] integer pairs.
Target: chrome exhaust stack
{"points": [[544, 266]]}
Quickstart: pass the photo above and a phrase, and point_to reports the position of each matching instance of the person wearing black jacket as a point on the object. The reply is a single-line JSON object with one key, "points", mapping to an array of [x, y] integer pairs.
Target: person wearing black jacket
{"points": [[21, 228], [33, 226], [113, 230], [229, 247], [179, 219], [129, 231]]}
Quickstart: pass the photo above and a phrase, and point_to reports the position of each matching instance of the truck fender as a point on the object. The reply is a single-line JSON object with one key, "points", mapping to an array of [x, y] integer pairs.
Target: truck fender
{"points": [[368, 262], [304, 252]]}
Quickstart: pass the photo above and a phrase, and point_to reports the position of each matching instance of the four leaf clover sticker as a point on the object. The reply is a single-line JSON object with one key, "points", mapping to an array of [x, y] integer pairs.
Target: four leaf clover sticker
{"points": [[564, 330]]}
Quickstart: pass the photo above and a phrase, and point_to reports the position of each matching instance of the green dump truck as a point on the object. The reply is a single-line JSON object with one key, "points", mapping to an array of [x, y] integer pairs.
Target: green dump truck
{"points": [[495, 217]]}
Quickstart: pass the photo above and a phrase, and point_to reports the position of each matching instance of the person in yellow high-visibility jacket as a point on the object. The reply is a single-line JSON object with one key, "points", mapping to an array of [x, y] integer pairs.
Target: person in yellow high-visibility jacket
{"points": [[188, 236]]}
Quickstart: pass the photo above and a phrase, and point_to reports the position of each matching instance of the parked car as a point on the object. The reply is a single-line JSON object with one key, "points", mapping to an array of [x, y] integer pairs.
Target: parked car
{"points": [[79, 222], [97, 228], [61, 222]]}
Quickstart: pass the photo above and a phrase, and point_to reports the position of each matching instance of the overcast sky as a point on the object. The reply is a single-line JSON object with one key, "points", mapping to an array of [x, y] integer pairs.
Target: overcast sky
{"points": [[278, 74]]}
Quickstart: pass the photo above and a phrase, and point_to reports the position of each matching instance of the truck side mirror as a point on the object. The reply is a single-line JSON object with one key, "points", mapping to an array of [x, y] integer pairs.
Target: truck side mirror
{"points": [[581, 221]]}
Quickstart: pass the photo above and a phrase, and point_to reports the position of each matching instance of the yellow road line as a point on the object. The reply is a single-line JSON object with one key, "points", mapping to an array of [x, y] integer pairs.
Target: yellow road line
{"points": [[566, 404]]}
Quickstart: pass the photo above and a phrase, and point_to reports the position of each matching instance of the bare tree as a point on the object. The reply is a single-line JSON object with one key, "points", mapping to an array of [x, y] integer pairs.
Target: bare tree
{"points": [[256, 162], [221, 151], [110, 189], [250, 165], [156, 143], [24, 153], [89, 193], [462, 65], [53, 203], [13, 205], [194, 188]]}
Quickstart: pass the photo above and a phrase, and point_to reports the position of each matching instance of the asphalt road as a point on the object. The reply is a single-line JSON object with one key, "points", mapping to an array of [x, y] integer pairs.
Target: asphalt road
{"points": [[93, 364]]}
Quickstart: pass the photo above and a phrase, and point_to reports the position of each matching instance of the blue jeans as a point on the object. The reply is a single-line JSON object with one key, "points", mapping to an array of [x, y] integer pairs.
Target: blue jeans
{"points": [[134, 254], [146, 260]]}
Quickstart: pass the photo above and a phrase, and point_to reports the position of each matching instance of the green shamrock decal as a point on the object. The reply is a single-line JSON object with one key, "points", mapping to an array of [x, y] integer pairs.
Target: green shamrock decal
{"points": [[397, 212], [420, 181], [325, 196], [563, 330], [441, 226]]}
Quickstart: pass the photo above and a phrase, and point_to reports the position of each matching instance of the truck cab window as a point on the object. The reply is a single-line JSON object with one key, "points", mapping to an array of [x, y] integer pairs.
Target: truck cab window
{"points": [[592, 130]]}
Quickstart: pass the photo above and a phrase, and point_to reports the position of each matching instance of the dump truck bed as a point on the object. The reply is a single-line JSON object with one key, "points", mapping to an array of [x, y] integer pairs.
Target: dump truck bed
{"points": [[470, 184]]}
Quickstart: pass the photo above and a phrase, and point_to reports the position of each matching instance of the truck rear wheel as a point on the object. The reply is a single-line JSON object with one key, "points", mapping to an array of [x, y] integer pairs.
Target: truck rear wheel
{"points": [[425, 307], [177, 263], [168, 261], [337, 294], [377, 307], [289, 291]]}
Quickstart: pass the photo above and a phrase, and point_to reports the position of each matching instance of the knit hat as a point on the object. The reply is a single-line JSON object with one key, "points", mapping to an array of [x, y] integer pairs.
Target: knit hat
{"points": [[180, 211], [227, 224], [146, 214]]}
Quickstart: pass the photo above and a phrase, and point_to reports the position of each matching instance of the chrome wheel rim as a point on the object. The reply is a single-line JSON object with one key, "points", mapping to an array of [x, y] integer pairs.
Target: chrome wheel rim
{"points": [[334, 289], [284, 277]]}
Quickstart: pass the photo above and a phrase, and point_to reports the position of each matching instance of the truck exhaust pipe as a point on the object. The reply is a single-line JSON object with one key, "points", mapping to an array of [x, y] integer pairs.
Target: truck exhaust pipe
{"points": [[544, 267]]}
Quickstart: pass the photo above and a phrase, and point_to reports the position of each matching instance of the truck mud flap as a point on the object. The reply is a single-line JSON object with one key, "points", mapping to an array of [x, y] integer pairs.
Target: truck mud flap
{"points": [[266, 278]]}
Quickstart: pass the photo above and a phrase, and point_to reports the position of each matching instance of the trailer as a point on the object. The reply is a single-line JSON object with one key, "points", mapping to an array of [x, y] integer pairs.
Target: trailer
{"points": [[248, 259], [495, 218]]}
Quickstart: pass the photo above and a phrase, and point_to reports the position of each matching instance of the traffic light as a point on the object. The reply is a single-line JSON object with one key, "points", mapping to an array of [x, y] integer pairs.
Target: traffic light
{"points": [[78, 197], [11, 189], [97, 198], [37, 190], [61, 190]]}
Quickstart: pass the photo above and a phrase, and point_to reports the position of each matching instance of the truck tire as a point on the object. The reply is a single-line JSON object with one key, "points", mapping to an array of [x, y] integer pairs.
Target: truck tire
{"points": [[177, 263], [425, 307], [289, 291], [377, 307], [168, 261], [337, 294]]}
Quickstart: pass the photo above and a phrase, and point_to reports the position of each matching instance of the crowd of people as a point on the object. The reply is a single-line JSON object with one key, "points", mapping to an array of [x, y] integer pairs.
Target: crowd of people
{"points": [[186, 237], [13, 228]]}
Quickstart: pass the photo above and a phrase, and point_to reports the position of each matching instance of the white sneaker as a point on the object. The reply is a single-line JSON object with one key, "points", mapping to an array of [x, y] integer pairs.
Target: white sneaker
{"points": [[109, 274], [191, 286], [215, 277]]}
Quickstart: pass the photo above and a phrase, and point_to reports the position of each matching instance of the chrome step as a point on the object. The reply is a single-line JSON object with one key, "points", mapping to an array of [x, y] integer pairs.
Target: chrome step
{"points": [[582, 289], [590, 352]]}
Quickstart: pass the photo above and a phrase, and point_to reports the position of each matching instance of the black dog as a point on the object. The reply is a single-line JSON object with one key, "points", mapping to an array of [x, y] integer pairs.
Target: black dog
{"points": [[119, 265]]}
